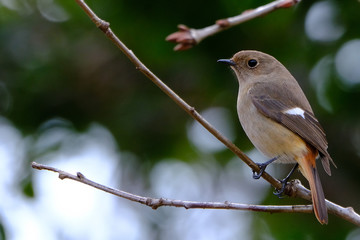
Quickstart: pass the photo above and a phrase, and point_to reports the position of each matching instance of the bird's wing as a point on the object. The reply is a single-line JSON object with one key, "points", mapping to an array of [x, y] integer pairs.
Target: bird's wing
{"points": [[291, 112]]}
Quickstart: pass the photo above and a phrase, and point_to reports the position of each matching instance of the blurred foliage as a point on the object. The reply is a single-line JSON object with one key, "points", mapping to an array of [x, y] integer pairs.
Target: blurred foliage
{"points": [[67, 68]]}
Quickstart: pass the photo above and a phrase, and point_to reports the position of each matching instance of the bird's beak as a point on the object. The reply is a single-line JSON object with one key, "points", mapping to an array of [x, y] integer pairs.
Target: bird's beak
{"points": [[227, 62]]}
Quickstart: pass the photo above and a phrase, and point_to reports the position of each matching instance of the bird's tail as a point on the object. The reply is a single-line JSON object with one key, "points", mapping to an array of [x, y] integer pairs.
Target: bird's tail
{"points": [[308, 169]]}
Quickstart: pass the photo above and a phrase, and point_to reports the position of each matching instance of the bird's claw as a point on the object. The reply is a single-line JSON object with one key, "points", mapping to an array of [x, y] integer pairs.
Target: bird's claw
{"points": [[262, 167], [262, 170], [279, 192]]}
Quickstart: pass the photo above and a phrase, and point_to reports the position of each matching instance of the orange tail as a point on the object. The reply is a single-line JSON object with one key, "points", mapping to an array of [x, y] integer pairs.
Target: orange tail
{"points": [[308, 169]]}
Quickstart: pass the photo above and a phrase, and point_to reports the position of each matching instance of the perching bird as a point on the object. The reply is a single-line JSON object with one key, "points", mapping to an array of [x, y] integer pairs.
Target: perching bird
{"points": [[279, 121]]}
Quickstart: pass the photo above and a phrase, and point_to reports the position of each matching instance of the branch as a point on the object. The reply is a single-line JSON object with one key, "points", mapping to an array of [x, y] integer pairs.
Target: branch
{"points": [[294, 189], [155, 203], [346, 213], [105, 27], [188, 37]]}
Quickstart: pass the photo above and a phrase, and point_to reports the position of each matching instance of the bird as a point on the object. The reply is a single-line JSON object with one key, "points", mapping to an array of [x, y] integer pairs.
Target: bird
{"points": [[278, 119]]}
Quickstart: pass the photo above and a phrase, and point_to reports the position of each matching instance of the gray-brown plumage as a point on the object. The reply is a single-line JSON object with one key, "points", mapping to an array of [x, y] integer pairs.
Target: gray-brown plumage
{"points": [[269, 100], [278, 119]]}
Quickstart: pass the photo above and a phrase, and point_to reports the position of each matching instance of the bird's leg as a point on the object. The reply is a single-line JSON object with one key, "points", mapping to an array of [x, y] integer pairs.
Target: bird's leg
{"points": [[262, 167], [279, 192]]}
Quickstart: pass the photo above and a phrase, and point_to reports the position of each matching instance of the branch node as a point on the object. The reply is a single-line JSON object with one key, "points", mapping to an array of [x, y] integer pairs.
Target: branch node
{"points": [[351, 209], [141, 69], [62, 176], [223, 23], [159, 203], [287, 4], [80, 175], [148, 202], [103, 26], [154, 203], [35, 165], [248, 11], [155, 206]]}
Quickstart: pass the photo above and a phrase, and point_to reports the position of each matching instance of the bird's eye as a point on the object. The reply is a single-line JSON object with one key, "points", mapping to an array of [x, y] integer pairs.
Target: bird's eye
{"points": [[252, 63]]}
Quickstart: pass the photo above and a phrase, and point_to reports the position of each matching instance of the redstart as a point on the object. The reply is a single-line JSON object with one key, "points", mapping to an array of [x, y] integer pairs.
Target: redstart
{"points": [[279, 121]]}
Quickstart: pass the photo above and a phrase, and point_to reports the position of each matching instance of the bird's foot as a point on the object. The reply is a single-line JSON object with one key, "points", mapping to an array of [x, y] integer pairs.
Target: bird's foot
{"points": [[262, 167], [280, 192]]}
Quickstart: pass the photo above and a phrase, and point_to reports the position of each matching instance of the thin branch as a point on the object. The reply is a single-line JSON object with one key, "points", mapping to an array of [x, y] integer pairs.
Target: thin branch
{"points": [[294, 189], [105, 27], [155, 203], [188, 37], [346, 213]]}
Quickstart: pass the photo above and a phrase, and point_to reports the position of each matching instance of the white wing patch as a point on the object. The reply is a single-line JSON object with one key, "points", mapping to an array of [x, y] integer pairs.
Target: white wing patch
{"points": [[295, 111]]}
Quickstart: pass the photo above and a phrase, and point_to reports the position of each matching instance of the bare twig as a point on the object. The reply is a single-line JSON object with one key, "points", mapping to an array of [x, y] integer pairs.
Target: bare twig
{"points": [[346, 213], [155, 203], [188, 37]]}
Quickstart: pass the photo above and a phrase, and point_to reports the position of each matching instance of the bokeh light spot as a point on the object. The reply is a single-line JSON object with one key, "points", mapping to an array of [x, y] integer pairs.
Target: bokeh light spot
{"points": [[321, 22], [205, 141], [347, 62]]}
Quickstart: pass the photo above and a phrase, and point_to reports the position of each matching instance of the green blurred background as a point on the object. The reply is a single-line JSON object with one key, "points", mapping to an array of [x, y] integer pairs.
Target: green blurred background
{"points": [[66, 90]]}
